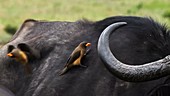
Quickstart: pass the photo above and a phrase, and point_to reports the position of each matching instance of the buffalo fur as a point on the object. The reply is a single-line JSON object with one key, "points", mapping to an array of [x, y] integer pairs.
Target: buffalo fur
{"points": [[142, 40]]}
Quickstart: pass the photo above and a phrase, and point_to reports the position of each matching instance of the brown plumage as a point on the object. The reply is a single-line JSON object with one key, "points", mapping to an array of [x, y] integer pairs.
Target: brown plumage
{"points": [[20, 56], [76, 57]]}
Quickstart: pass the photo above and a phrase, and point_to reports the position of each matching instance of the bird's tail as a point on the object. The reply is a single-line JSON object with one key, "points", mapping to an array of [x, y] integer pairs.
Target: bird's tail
{"points": [[27, 68], [64, 70]]}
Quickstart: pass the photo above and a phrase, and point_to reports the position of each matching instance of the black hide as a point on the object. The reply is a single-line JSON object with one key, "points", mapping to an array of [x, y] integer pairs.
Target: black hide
{"points": [[55, 42]]}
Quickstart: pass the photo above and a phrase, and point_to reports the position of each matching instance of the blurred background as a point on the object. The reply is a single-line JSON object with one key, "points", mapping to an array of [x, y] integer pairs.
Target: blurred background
{"points": [[14, 12]]}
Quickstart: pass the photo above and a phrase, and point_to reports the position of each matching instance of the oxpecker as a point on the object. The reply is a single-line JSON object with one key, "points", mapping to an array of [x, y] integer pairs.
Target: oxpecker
{"points": [[20, 56], [76, 57]]}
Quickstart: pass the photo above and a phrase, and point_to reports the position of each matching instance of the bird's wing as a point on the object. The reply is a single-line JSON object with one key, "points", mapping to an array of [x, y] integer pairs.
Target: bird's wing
{"points": [[68, 59], [73, 57]]}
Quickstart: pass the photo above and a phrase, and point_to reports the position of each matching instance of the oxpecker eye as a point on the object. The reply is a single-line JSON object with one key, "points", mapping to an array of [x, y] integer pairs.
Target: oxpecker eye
{"points": [[88, 44]]}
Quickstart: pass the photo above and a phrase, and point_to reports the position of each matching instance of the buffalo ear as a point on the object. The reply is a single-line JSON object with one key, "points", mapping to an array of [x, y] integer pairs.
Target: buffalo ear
{"points": [[10, 48], [24, 47], [32, 51]]}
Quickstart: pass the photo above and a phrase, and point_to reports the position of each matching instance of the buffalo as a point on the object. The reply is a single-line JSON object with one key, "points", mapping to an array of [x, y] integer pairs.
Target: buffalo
{"points": [[139, 66]]}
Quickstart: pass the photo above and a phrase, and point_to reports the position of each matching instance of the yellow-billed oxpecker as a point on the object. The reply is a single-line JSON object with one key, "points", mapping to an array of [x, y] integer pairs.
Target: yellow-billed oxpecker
{"points": [[22, 54], [76, 57]]}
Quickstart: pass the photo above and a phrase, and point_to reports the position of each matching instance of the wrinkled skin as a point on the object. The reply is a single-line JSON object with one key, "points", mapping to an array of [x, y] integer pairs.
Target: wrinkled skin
{"points": [[56, 41]]}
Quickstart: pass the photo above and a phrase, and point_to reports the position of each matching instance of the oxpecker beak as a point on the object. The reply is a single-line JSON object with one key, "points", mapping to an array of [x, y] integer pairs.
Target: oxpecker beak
{"points": [[88, 44], [10, 55]]}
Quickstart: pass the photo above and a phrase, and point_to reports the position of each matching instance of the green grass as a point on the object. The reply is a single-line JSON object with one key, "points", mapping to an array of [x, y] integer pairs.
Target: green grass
{"points": [[14, 12]]}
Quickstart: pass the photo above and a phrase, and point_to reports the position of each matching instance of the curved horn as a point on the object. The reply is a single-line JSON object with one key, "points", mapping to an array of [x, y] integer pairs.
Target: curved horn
{"points": [[132, 73]]}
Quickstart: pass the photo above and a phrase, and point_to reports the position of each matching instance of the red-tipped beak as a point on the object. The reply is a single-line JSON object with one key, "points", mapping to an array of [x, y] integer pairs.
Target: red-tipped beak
{"points": [[88, 44], [10, 54]]}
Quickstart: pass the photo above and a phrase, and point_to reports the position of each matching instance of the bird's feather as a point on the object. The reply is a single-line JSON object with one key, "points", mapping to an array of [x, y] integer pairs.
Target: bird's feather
{"points": [[73, 57], [64, 70]]}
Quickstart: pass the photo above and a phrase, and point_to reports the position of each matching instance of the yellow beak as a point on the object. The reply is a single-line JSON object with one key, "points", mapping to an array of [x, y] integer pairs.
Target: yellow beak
{"points": [[88, 44], [10, 54]]}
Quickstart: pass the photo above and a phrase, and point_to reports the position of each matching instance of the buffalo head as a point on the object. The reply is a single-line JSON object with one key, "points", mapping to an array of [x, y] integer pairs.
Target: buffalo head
{"points": [[138, 42]]}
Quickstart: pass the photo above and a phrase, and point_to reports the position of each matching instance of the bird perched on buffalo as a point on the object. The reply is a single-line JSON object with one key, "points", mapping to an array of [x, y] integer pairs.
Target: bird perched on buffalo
{"points": [[76, 57], [23, 54], [21, 57]]}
